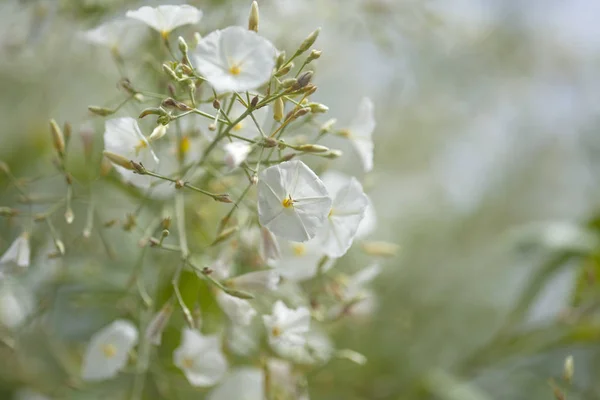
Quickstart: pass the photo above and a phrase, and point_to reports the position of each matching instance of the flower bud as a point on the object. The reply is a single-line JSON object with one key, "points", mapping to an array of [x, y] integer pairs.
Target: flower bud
{"points": [[351, 355], [101, 111], [380, 249], [569, 369], [158, 132], [254, 102], [58, 140], [60, 246], [280, 60], [212, 127], [333, 154], [289, 82], [269, 142], [312, 148], [314, 55], [253, 20], [284, 70], [118, 160], [197, 38], [167, 70], [223, 198], [170, 102], [300, 112], [309, 90], [152, 111], [239, 294], [67, 132], [183, 47], [216, 104], [326, 127], [69, 216], [318, 108], [303, 80], [226, 234], [288, 157], [278, 109], [309, 41]]}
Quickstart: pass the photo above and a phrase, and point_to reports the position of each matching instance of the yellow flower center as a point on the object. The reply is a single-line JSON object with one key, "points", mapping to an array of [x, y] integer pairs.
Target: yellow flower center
{"points": [[142, 144], [288, 202], [238, 126], [276, 331], [299, 249], [188, 362], [235, 69], [184, 145], [109, 350]]}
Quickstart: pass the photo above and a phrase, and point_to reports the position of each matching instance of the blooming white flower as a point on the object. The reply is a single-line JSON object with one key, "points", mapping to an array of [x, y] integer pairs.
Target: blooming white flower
{"points": [[287, 326], [347, 212], [299, 261], [234, 59], [19, 252], [360, 132], [123, 136], [166, 18], [200, 358], [241, 384], [239, 311], [236, 153], [292, 201], [108, 351], [257, 281], [119, 34]]}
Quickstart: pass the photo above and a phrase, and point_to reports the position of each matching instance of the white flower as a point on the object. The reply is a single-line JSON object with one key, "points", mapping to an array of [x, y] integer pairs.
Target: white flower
{"points": [[119, 34], [16, 303], [200, 358], [239, 311], [356, 285], [292, 201], [348, 210], [287, 326], [28, 394], [108, 351], [123, 136], [369, 222], [18, 253], [241, 384], [164, 19], [299, 261], [360, 132], [257, 281], [234, 59], [158, 132], [236, 153]]}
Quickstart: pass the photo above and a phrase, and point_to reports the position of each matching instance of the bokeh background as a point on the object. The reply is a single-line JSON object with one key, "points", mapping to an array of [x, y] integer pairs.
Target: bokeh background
{"points": [[485, 176]]}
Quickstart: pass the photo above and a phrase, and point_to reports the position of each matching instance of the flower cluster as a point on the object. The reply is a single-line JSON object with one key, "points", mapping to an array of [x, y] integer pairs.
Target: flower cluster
{"points": [[237, 142]]}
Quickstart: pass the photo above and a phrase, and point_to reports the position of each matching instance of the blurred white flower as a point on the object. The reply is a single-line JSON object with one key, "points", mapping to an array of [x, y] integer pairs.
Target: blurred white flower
{"points": [[108, 351], [239, 311], [28, 394], [299, 261], [357, 293], [348, 210], [241, 384], [16, 303], [292, 201], [200, 358], [257, 281], [18, 253], [287, 326], [119, 34], [234, 59], [356, 285], [360, 132], [242, 340], [166, 18], [236, 153], [369, 222]]}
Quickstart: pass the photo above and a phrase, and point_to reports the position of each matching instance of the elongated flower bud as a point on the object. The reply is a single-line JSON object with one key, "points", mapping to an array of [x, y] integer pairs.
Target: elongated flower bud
{"points": [[309, 41], [118, 160], [101, 111], [278, 109], [312, 148], [58, 140], [253, 20]]}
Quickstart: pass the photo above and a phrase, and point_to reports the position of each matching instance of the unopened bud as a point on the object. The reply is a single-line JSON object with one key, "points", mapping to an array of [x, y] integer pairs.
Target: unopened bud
{"points": [[318, 108], [183, 47], [332, 154], [158, 132], [254, 102], [101, 111], [380, 249], [67, 130], [314, 55], [223, 198], [288, 157], [312, 148], [289, 82], [126, 85], [254, 179], [569, 369], [179, 184], [226, 234], [284, 70], [239, 294], [197, 38], [58, 140], [301, 112], [326, 127], [216, 104], [303, 80], [166, 223], [186, 69], [60, 246], [212, 127], [278, 109], [253, 20], [280, 60], [167, 70], [351, 355], [308, 42], [69, 216], [152, 111], [169, 102], [309, 90], [118, 160]]}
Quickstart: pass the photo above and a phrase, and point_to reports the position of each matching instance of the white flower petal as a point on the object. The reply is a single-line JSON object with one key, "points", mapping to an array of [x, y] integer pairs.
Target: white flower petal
{"points": [[256, 281], [19, 252], [239, 311], [234, 59], [286, 325], [369, 222], [361, 131], [200, 358], [241, 384], [292, 201], [299, 261], [108, 351], [269, 248], [349, 206], [166, 18], [236, 153], [119, 34]]}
